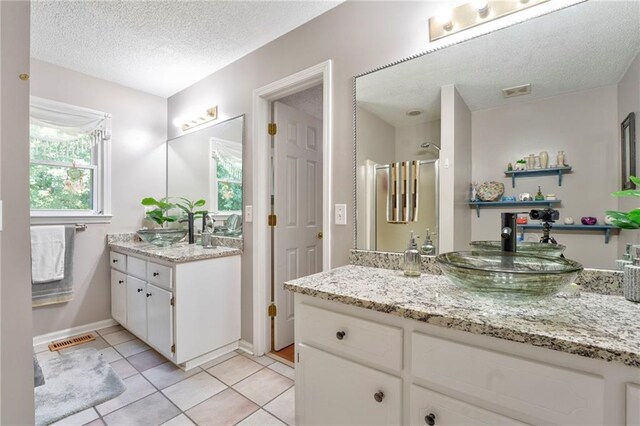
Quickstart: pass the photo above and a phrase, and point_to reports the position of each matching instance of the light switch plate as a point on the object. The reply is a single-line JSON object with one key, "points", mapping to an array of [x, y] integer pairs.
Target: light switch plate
{"points": [[248, 213], [341, 214]]}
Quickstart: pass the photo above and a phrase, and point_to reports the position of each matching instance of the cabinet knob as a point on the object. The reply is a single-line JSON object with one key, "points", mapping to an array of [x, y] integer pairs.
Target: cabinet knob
{"points": [[155, 274], [114, 261], [139, 290], [378, 396], [148, 294], [120, 281], [340, 335], [430, 419]]}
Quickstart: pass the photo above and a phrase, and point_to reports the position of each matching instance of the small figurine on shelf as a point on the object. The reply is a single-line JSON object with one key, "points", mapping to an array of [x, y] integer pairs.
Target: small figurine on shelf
{"points": [[521, 164], [561, 160], [539, 196], [509, 167], [473, 192]]}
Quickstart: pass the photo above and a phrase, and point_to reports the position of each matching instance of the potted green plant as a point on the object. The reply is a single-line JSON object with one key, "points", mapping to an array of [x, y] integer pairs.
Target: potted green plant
{"points": [[631, 219], [162, 236], [189, 207]]}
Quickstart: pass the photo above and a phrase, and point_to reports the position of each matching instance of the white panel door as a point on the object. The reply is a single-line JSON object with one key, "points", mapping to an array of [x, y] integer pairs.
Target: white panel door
{"points": [[298, 206], [137, 306], [119, 297], [159, 319], [333, 391]]}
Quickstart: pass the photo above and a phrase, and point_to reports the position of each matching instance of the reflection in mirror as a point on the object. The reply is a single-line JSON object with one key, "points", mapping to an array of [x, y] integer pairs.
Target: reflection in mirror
{"points": [[546, 94], [207, 164]]}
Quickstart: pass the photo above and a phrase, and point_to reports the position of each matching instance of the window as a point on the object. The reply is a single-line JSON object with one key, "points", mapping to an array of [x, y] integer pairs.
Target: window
{"points": [[226, 161], [69, 163]]}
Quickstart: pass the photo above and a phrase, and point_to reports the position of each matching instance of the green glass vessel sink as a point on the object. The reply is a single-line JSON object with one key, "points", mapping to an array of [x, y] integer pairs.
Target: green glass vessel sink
{"points": [[162, 237], [528, 247], [508, 276]]}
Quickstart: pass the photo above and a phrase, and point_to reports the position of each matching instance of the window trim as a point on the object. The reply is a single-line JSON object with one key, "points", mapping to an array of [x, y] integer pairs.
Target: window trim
{"points": [[102, 189]]}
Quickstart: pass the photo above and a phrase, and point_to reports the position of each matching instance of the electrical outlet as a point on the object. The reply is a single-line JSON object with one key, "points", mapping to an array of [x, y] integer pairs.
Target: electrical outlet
{"points": [[248, 214], [341, 214]]}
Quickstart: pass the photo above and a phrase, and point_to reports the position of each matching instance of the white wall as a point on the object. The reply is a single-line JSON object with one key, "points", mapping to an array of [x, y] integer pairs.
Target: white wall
{"points": [[455, 172], [138, 170], [629, 101], [584, 125], [409, 138], [356, 36], [16, 365]]}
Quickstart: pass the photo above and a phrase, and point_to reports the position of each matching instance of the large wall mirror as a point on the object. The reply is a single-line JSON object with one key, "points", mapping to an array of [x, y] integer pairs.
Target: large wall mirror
{"points": [[207, 164], [546, 94]]}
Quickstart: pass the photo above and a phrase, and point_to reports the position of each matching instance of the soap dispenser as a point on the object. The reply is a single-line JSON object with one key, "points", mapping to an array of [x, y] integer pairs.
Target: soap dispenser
{"points": [[427, 248], [627, 259], [631, 282], [412, 260]]}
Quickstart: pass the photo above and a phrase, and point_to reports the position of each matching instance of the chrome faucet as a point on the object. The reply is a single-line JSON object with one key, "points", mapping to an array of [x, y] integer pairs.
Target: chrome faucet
{"points": [[508, 232]]}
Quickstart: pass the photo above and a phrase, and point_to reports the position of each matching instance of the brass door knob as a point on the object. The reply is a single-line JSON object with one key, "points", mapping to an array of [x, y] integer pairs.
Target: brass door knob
{"points": [[319, 235]]}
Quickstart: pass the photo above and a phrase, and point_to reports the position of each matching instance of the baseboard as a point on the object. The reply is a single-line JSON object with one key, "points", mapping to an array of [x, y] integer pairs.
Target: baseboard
{"points": [[245, 346], [68, 332]]}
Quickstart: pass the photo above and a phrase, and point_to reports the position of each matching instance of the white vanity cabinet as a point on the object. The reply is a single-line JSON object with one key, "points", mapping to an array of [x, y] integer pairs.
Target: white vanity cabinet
{"points": [[189, 312], [357, 366]]}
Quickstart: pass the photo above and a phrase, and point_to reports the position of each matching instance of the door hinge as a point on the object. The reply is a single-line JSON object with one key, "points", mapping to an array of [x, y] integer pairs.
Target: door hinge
{"points": [[173, 348], [273, 311], [173, 301], [272, 129], [273, 220], [298, 355]]}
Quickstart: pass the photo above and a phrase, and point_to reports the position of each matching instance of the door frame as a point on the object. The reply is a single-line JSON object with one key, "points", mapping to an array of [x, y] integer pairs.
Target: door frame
{"points": [[262, 99]]}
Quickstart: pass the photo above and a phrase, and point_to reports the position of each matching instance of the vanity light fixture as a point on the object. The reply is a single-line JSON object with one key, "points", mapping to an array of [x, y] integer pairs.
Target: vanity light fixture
{"points": [[210, 115], [475, 13]]}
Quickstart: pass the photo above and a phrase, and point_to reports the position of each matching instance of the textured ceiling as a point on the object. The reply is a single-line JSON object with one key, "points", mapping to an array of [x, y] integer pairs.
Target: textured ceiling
{"points": [[309, 101], [582, 47], [159, 47]]}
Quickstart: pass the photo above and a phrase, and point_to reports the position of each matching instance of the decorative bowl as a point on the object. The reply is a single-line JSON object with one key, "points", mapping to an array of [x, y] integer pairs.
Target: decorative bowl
{"points": [[490, 191], [513, 277], [589, 220], [162, 237], [526, 247]]}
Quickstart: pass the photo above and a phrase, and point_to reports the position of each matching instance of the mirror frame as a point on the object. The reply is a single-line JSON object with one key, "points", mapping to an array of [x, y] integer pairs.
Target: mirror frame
{"points": [[628, 145], [244, 157]]}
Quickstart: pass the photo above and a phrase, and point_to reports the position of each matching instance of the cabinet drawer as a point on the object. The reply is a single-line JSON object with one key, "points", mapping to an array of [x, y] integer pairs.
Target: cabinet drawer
{"points": [[159, 275], [118, 261], [548, 393], [137, 267], [428, 407], [333, 391], [362, 339]]}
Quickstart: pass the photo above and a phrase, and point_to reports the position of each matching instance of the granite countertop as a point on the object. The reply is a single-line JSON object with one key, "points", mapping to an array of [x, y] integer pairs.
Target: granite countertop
{"points": [[178, 253], [592, 325]]}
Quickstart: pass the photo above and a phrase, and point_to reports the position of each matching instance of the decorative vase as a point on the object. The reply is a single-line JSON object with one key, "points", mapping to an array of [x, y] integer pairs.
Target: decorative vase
{"points": [[560, 159], [589, 220], [531, 162], [544, 160], [192, 237]]}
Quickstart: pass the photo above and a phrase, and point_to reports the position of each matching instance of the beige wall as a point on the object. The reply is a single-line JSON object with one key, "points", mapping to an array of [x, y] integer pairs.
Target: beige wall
{"points": [[138, 170], [629, 101], [16, 365], [357, 36], [584, 125], [455, 172]]}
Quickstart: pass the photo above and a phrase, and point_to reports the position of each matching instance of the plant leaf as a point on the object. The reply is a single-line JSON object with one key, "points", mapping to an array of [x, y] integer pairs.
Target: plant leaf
{"points": [[626, 193], [635, 180], [149, 201], [622, 220], [199, 203]]}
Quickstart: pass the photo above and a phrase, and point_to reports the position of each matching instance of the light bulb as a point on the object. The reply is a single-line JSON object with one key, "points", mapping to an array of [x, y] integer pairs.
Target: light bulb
{"points": [[444, 18], [482, 6]]}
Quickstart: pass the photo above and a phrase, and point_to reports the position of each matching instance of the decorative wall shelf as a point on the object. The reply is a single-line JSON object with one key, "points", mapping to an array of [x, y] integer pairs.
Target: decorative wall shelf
{"points": [[482, 204], [538, 172], [561, 227]]}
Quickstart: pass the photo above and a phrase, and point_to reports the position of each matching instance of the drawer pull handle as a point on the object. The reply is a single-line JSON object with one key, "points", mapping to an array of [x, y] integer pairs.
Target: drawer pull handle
{"points": [[115, 261], [139, 290], [430, 419], [148, 294], [120, 281], [378, 396], [155, 274], [340, 335]]}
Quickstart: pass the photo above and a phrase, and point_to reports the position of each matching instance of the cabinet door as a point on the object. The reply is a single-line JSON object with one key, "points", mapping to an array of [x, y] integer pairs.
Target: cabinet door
{"points": [[137, 306], [119, 297], [159, 319], [334, 391], [432, 408]]}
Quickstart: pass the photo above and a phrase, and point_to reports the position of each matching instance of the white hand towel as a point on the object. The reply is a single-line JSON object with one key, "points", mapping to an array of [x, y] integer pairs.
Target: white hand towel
{"points": [[47, 253]]}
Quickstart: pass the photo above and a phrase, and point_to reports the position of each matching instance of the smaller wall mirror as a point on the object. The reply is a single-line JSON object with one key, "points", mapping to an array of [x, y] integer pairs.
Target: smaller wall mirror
{"points": [[207, 164]]}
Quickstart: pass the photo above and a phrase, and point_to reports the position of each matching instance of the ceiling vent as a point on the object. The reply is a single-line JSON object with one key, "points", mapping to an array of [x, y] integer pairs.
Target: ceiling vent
{"points": [[511, 92]]}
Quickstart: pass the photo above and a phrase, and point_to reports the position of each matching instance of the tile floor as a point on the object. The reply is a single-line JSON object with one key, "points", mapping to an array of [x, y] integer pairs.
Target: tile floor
{"points": [[234, 389]]}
